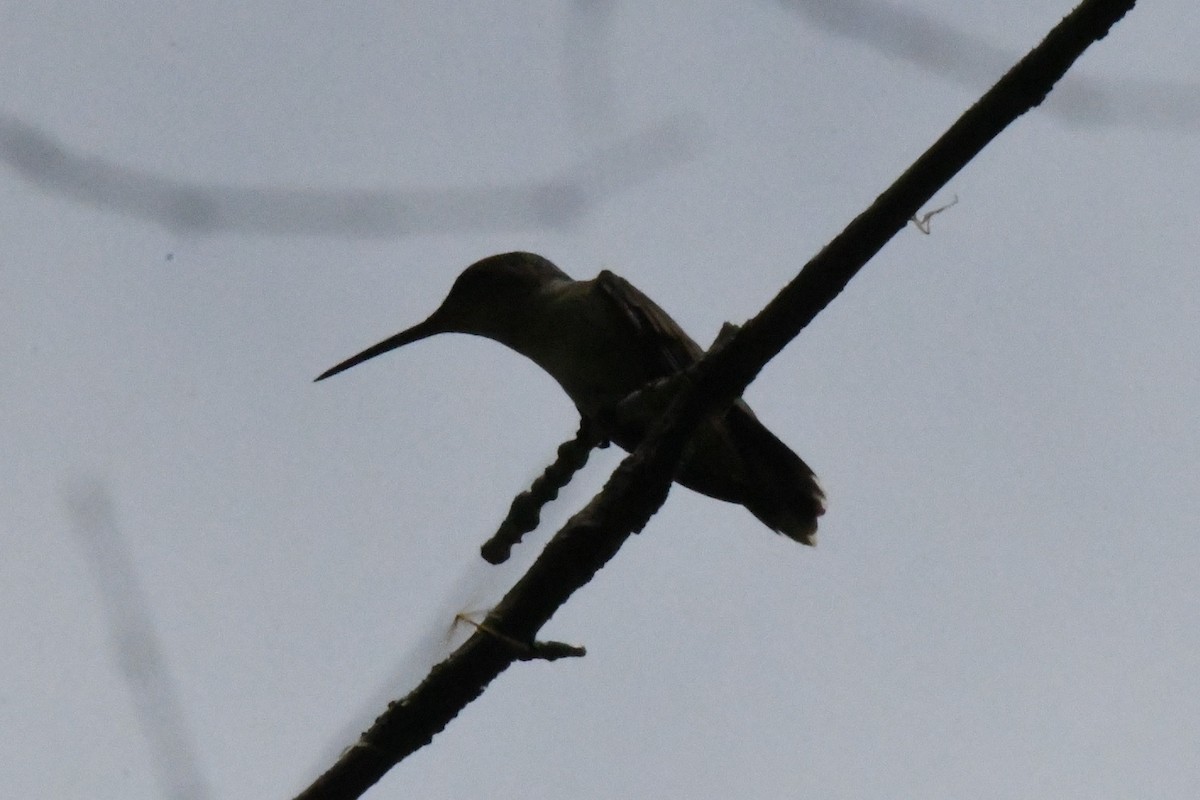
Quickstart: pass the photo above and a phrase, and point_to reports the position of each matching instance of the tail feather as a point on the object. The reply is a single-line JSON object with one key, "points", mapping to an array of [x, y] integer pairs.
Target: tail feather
{"points": [[782, 490], [736, 459]]}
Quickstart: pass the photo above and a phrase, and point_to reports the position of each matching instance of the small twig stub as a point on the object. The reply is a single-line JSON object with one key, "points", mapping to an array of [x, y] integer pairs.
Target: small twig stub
{"points": [[922, 220]]}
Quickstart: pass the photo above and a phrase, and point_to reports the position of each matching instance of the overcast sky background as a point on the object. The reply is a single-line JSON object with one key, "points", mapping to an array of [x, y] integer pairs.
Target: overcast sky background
{"points": [[205, 205]]}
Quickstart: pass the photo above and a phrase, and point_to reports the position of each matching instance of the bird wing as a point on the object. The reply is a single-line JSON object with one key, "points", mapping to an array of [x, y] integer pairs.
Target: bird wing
{"points": [[663, 343], [769, 478]]}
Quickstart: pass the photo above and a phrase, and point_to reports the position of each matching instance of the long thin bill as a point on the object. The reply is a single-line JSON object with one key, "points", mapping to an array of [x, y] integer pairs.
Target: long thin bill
{"points": [[419, 331]]}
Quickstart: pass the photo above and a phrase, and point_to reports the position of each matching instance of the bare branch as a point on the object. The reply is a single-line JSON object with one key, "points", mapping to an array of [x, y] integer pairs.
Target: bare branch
{"points": [[640, 484], [211, 208], [136, 646]]}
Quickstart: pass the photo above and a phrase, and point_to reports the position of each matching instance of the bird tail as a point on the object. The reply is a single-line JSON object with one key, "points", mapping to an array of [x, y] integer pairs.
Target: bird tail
{"points": [[783, 491]]}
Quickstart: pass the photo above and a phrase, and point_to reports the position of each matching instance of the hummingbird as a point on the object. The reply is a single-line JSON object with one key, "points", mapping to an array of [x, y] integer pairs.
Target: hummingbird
{"points": [[602, 340]]}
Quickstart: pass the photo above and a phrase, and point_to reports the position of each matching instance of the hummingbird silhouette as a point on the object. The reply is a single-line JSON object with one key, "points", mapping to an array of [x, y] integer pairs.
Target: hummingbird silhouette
{"points": [[603, 339]]}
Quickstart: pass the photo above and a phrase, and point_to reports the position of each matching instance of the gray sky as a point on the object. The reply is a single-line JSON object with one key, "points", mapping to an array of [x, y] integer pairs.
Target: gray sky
{"points": [[216, 572]]}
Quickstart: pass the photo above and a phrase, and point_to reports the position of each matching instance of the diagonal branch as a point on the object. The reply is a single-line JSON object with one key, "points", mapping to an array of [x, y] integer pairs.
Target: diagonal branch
{"points": [[640, 484]]}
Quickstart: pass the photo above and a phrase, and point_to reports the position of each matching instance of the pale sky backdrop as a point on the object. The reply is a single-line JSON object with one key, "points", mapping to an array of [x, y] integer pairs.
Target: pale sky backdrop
{"points": [[215, 572]]}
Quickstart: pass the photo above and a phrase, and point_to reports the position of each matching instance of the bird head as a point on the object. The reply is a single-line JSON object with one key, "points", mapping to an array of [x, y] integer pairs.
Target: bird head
{"points": [[487, 299]]}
